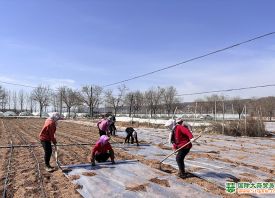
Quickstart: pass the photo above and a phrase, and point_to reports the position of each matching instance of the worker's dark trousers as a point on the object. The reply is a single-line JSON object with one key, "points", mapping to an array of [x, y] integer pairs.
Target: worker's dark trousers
{"points": [[103, 157], [112, 129], [48, 151], [130, 136], [127, 139], [180, 159], [132, 139], [102, 132]]}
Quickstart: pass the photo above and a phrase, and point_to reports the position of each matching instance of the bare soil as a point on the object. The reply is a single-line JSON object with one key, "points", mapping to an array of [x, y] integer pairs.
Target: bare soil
{"points": [[141, 187], [162, 182]]}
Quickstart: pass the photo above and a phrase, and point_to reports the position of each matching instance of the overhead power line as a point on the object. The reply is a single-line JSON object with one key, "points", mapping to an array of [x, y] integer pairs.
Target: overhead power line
{"points": [[226, 90], [183, 62], [23, 85], [188, 94], [192, 59], [16, 84]]}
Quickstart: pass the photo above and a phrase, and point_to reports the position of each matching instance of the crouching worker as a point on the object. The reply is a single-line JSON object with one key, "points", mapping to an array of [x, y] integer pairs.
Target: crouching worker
{"points": [[131, 133], [182, 135], [102, 151], [46, 136]]}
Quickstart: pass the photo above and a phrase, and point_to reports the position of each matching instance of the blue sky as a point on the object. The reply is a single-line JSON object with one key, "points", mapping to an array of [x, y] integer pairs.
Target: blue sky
{"points": [[76, 43]]}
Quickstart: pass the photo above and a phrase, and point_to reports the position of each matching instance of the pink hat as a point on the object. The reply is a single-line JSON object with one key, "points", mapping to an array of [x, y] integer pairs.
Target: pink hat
{"points": [[103, 139]]}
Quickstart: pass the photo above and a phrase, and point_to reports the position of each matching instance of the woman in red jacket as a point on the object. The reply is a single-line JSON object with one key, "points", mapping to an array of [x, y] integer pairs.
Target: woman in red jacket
{"points": [[182, 136], [102, 151], [47, 135]]}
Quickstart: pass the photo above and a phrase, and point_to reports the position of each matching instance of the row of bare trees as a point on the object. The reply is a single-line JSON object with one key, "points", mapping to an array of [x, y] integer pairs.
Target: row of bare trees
{"points": [[91, 98], [155, 100]]}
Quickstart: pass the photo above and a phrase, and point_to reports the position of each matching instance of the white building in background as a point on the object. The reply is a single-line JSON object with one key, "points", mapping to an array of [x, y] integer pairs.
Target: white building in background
{"points": [[25, 113], [44, 114], [9, 113]]}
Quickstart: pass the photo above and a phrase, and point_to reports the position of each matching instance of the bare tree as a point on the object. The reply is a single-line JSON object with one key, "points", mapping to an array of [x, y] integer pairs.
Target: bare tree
{"points": [[157, 99], [138, 101], [129, 100], [200, 105], [31, 102], [14, 100], [27, 101], [215, 103], [148, 101], [90, 95], [115, 101], [3, 98], [134, 100], [153, 99], [59, 98], [70, 97], [170, 100], [21, 99], [238, 105], [9, 99], [268, 104], [42, 96]]}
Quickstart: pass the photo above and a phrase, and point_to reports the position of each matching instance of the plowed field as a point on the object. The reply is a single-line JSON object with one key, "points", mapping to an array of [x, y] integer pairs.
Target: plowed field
{"points": [[22, 171]]}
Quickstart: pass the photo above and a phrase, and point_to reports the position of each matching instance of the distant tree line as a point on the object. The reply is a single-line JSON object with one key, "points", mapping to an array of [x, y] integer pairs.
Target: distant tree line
{"points": [[92, 99]]}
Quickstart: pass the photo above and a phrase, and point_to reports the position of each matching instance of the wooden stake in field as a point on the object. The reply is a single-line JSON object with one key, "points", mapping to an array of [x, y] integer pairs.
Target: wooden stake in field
{"points": [[56, 155]]}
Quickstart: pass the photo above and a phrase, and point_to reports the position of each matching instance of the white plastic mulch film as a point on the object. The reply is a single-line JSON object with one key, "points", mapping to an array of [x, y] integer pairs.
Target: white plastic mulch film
{"points": [[215, 158], [130, 178]]}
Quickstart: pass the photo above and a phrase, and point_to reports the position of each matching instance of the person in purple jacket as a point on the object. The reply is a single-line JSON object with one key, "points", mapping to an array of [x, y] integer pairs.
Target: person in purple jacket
{"points": [[103, 126]]}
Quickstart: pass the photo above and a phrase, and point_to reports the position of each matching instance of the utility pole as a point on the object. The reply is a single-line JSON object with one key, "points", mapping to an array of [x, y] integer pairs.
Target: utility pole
{"points": [[60, 111], [245, 119], [215, 110], [131, 105], [195, 115], [222, 116]]}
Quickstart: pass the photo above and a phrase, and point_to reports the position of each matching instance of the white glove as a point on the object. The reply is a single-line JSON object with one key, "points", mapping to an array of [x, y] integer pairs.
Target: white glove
{"points": [[192, 139]]}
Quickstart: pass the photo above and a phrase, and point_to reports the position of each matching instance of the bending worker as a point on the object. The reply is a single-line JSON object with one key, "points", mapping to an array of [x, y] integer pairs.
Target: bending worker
{"points": [[103, 126], [131, 133], [102, 151], [47, 135]]}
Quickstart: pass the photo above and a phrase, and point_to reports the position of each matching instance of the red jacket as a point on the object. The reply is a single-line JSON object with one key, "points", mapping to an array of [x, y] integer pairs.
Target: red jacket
{"points": [[48, 131], [98, 148], [182, 136]]}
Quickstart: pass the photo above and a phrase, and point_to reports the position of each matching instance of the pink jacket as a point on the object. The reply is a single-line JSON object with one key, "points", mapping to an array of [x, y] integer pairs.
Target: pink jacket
{"points": [[103, 124]]}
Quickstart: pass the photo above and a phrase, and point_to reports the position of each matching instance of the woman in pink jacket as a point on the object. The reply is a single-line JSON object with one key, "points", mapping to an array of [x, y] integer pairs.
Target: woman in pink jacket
{"points": [[103, 126]]}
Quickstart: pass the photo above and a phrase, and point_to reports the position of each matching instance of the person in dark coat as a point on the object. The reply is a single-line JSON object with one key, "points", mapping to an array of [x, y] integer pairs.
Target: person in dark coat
{"points": [[131, 133], [112, 127]]}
